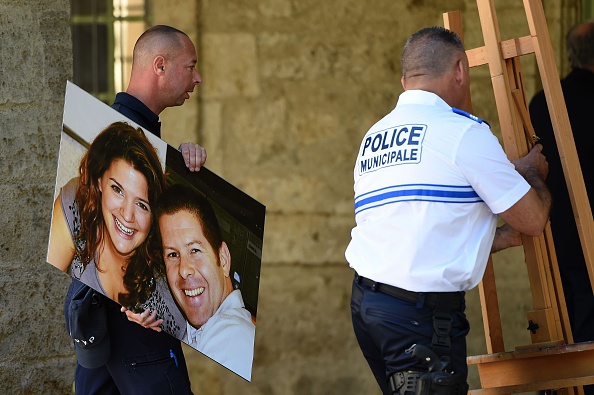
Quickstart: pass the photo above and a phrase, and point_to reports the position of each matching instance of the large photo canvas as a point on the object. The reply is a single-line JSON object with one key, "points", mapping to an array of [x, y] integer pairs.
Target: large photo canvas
{"points": [[131, 222]]}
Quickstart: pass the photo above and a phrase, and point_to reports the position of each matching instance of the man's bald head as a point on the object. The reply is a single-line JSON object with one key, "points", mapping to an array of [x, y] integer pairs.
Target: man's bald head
{"points": [[580, 46], [430, 52], [163, 68], [160, 40]]}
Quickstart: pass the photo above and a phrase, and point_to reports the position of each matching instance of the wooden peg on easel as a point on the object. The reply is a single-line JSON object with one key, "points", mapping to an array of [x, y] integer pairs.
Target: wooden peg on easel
{"points": [[525, 116]]}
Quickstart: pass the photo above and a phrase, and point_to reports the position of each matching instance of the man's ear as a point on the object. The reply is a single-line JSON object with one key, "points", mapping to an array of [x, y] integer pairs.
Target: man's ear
{"points": [[159, 65], [225, 258], [402, 81], [459, 72]]}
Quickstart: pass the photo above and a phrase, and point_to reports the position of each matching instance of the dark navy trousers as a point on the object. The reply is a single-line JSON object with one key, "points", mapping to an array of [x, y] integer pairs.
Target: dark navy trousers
{"points": [[142, 361], [386, 326]]}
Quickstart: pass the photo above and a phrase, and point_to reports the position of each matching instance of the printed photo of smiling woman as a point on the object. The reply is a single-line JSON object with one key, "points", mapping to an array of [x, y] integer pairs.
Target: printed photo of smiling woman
{"points": [[102, 225]]}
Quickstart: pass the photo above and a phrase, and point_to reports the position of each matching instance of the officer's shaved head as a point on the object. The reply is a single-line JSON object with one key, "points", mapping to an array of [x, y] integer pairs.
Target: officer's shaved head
{"points": [[430, 52], [158, 40]]}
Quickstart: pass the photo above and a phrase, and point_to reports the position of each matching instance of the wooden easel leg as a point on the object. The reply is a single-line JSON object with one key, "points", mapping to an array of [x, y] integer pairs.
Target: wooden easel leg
{"points": [[518, 137], [490, 309]]}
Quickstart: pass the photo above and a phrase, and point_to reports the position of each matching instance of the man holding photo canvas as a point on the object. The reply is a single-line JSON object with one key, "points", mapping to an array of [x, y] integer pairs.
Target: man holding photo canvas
{"points": [[143, 361]]}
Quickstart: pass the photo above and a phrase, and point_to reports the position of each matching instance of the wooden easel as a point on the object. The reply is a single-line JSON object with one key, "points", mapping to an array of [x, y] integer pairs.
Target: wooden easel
{"points": [[552, 361]]}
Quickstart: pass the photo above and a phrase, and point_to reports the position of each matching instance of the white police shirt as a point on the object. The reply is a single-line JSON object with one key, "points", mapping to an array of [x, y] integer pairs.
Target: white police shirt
{"points": [[428, 185]]}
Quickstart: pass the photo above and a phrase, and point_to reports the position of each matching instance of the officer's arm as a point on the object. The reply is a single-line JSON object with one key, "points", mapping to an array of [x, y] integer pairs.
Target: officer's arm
{"points": [[530, 214]]}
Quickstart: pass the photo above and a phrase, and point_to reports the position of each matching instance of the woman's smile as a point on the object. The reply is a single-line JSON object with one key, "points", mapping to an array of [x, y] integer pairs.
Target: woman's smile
{"points": [[121, 227], [126, 211]]}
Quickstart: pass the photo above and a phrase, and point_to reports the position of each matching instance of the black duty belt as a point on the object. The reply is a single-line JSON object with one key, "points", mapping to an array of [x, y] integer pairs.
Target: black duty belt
{"points": [[426, 299]]}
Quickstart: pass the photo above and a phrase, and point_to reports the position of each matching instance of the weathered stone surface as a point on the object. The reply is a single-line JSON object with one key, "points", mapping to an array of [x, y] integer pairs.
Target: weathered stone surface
{"points": [[230, 70], [34, 65], [306, 239], [36, 355], [32, 291], [38, 376]]}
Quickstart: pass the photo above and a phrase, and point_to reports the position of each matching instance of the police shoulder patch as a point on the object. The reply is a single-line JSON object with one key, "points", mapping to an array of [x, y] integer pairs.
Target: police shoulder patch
{"points": [[469, 115]]}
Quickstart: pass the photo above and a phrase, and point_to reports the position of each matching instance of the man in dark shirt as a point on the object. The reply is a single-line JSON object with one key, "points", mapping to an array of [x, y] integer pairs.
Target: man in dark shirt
{"points": [[578, 91], [163, 75], [145, 361]]}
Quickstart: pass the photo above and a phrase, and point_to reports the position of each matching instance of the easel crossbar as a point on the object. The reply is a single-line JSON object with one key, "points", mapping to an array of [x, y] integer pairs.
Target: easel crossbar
{"points": [[509, 49]]}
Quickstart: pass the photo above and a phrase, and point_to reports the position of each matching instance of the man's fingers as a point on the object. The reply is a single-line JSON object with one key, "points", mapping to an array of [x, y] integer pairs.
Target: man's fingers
{"points": [[194, 155], [197, 157], [193, 158], [202, 155]]}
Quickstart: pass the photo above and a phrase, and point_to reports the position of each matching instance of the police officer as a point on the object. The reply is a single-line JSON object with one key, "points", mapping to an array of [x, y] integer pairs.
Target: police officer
{"points": [[426, 212]]}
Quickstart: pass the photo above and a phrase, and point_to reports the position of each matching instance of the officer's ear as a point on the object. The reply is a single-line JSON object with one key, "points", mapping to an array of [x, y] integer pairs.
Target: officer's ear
{"points": [[457, 72]]}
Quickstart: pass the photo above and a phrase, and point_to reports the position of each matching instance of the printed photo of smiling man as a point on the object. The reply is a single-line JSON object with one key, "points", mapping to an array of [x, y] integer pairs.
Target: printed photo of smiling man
{"points": [[197, 264]]}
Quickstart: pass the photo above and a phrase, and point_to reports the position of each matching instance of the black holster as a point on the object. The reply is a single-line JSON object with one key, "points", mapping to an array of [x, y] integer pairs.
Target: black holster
{"points": [[427, 383]]}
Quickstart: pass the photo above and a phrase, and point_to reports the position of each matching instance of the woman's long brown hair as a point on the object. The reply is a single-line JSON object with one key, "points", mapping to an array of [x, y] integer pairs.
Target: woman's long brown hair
{"points": [[119, 141]]}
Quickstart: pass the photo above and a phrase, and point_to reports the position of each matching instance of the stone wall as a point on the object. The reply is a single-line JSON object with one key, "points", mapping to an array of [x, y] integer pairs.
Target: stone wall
{"points": [[35, 351], [289, 89]]}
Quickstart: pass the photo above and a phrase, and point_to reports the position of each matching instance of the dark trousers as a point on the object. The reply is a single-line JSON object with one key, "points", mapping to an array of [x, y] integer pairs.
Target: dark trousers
{"points": [[386, 326], [140, 361]]}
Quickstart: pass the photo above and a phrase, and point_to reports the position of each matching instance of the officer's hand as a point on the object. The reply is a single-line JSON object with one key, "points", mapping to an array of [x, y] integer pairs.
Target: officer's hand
{"points": [[505, 237], [194, 155], [533, 162], [144, 319]]}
